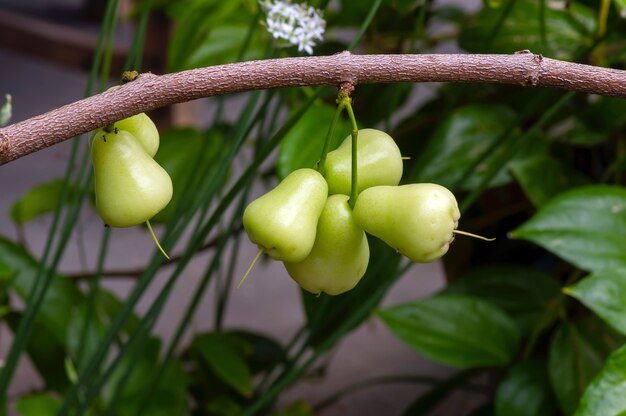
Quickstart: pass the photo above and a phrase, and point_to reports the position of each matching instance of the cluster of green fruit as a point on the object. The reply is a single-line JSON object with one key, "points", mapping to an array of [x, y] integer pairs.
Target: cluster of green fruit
{"points": [[309, 224], [130, 186]]}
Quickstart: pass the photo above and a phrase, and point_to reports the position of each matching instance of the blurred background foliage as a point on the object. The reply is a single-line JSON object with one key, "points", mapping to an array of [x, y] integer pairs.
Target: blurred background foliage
{"points": [[542, 310]]}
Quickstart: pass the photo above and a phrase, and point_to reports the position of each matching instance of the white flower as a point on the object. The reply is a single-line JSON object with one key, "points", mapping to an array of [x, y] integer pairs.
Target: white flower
{"points": [[297, 24]]}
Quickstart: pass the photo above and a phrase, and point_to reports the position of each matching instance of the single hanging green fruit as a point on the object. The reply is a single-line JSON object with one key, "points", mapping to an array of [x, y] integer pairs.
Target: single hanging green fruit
{"points": [[417, 219], [130, 186], [379, 163], [283, 222], [340, 254], [143, 129]]}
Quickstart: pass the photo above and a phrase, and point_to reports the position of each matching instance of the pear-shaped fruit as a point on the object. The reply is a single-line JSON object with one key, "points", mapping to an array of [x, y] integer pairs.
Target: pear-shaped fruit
{"points": [[417, 219], [143, 129], [379, 162], [283, 222], [340, 254], [130, 186]]}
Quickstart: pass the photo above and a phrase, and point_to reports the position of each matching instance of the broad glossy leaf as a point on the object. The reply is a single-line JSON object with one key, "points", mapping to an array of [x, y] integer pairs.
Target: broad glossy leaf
{"points": [[302, 146], [597, 122], [577, 353], [5, 111], [522, 292], [462, 139], [224, 356], [184, 153], [567, 31], [61, 298], [525, 391], [585, 226], [458, 330], [40, 404], [606, 395], [40, 200], [604, 292], [542, 177]]}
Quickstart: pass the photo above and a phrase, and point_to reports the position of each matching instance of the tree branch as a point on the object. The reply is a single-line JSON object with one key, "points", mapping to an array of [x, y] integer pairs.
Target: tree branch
{"points": [[150, 91]]}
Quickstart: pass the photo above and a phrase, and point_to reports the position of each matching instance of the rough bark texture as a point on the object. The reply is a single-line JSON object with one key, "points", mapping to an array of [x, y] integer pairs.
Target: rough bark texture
{"points": [[150, 91]]}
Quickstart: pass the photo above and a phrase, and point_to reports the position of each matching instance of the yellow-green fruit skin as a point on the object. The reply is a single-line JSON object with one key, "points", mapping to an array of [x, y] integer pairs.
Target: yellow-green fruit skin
{"points": [[130, 186], [283, 222], [378, 159], [143, 129], [417, 219], [340, 254]]}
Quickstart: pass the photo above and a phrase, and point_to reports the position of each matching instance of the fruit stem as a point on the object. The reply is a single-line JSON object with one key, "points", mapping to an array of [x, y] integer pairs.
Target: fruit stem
{"points": [[347, 102], [480, 237], [156, 240], [329, 137], [256, 258]]}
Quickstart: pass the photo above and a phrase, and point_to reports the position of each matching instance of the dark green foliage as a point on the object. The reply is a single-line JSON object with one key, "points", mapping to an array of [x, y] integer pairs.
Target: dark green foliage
{"points": [[541, 170]]}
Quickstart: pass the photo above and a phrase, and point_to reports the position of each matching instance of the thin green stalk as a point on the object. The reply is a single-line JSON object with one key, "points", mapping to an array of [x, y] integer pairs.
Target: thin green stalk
{"points": [[366, 23], [138, 291], [191, 309], [519, 144], [329, 137], [542, 22], [196, 242], [295, 372], [496, 29], [94, 289], [41, 282], [108, 54], [136, 50], [355, 171], [603, 14]]}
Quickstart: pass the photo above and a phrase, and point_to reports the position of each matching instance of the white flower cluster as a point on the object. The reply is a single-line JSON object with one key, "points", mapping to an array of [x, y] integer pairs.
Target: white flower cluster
{"points": [[298, 24]]}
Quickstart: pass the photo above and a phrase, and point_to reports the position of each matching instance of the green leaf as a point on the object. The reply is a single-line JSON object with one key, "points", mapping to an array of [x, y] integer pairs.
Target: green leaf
{"points": [[265, 352], [577, 353], [461, 139], [566, 30], [604, 292], [183, 153], [585, 226], [302, 146], [5, 271], [525, 391], [46, 353], [211, 32], [57, 309], [223, 354], [542, 177], [170, 398], [606, 395], [5, 110], [38, 405], [458, 330], [522, 292], [40, 200]]}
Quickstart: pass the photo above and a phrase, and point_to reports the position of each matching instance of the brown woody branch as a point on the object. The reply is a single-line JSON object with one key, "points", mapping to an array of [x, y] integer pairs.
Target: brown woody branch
{"points": [[150, 91]]}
